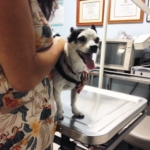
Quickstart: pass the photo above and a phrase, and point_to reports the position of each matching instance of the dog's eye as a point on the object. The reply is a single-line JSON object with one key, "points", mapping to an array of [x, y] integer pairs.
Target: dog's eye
{"points": [[96, 40], [82, 39]]}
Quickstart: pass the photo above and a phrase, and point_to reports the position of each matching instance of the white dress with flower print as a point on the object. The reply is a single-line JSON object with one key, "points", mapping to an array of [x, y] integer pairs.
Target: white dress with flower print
{"points": [[27, 119]]}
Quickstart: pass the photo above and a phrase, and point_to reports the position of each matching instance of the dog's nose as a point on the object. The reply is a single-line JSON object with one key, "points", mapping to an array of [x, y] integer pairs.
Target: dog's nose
{"points": [[93, 48]]}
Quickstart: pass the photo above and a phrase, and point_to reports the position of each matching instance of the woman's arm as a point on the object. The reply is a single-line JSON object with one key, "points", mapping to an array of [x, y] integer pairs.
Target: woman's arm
{"points": [[23, 66]]}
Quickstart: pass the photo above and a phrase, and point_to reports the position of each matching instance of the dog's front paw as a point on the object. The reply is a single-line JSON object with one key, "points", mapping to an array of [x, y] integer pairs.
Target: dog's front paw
{"points": [[60, 115], [77, 113]]}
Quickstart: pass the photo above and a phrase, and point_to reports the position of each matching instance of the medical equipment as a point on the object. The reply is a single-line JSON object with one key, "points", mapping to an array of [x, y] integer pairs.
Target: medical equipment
{"points": [[143, 71], [142, 42], [120, 54], [109, 117]]}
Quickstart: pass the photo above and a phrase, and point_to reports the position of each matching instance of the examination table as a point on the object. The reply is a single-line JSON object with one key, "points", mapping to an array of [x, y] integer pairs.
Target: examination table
{"points": [[109, 117]]}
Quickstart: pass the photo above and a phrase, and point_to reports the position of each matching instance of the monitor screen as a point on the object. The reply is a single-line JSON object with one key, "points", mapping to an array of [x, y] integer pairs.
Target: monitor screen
{"points": [[115, 53]]}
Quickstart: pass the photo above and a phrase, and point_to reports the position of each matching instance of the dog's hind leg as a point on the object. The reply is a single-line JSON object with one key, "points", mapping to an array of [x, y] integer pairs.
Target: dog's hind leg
{"points": [[57, 98], [75, 111]]}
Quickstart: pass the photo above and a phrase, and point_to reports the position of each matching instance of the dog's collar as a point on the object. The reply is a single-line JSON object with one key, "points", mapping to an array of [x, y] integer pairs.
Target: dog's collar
{"points": [[63, 74], [68, 78], [69, 67]]}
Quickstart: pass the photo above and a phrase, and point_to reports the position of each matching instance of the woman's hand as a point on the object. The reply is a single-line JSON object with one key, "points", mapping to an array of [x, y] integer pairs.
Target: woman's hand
{"points": [[83, 82], [59, 42]]}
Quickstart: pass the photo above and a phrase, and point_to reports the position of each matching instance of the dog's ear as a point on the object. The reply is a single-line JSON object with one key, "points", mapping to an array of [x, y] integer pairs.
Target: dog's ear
{"points": [[93, 27], [71, 29], [74, 34]]}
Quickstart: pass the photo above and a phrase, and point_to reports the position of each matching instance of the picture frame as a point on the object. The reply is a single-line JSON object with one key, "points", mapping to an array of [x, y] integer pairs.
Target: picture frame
{"points": [[148, 16], [89, 12], [124, 11]]}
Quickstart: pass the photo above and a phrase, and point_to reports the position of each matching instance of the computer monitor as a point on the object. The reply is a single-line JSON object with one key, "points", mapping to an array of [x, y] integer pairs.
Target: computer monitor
{"points": [[119, 55]]}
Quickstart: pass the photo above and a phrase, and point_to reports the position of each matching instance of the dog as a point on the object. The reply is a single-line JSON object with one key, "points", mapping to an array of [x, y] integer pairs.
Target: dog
{"points": [[70, 72]]}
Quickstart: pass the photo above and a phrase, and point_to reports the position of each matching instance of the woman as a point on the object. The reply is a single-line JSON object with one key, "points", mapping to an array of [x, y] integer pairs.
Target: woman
{"points": [[28, 53]]}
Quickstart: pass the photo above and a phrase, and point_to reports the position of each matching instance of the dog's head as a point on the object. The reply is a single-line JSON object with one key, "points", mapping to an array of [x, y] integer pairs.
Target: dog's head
{"points": [[85, 42]]}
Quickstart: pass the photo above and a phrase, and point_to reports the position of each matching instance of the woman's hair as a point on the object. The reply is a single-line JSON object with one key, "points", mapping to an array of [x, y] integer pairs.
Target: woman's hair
{"points": [[47, 7]]}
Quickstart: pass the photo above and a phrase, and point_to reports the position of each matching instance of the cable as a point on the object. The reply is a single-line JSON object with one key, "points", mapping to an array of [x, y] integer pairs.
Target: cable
{"points": [[148, 93], [134, 88], [148, 97], [141, 59], [145, 54]]}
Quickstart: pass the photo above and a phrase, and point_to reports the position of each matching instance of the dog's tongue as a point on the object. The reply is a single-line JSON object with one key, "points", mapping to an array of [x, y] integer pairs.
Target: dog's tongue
{"points": [[89, 62]]}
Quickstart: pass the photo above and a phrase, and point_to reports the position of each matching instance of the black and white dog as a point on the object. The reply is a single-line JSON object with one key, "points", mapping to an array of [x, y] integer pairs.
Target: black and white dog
{"points": [[72, 64]]}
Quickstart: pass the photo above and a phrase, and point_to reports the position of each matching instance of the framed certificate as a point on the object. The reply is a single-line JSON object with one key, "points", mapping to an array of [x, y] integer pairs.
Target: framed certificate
{"points": [[124, 11], [148, 16], [89, 12]]}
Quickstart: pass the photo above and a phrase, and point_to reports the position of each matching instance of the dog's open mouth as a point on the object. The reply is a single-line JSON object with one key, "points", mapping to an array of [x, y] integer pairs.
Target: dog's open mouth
{"points": [[87, 59]]}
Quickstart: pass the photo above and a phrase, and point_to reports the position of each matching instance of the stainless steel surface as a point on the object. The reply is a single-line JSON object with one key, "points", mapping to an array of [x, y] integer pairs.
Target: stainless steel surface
{"points": [[126, 131], [106, 113]]}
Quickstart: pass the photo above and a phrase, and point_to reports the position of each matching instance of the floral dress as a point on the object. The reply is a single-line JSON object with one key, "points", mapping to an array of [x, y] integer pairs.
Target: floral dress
{"points": [[27, 119]]}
